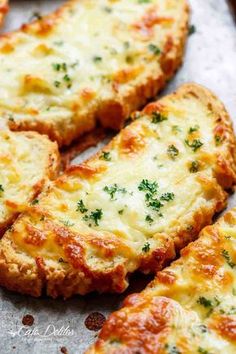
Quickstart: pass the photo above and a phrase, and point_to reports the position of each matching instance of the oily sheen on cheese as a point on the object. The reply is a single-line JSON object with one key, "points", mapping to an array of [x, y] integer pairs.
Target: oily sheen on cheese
{"points": [[146, 195], [27, 161], [90, 60], [190, 307]]}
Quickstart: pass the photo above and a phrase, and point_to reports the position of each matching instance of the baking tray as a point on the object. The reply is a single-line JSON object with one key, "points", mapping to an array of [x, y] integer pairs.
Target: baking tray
{"points": [[59, 325]]}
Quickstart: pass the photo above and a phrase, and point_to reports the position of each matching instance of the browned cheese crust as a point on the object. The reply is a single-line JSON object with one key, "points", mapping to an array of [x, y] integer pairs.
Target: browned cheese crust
{"points": [[188, 308], [62, 83], [146, 195]]}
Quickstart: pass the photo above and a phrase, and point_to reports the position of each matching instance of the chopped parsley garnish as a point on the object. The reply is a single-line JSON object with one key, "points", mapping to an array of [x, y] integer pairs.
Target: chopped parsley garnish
{"points": [[155, 204], [194, 167], [176, 128], [191, 30], [106, 155], [144, 1], [57, 83], [146, 247], [202, 351], [35, 201], [81, 207], [203, 328], [107, 9], [11, 118], [195, 144], [97, 59], [1, 189], [227, 257], [158, 117], [205, 302], [59, 66], [154, 49], [218, 140], [121, 211], [193, 129], [172, 349], [67, 79], [94, 216], [149, 219], [148, 186], [208, 304], [172, 151], [112, 190], [167, 196], [151, 199]]}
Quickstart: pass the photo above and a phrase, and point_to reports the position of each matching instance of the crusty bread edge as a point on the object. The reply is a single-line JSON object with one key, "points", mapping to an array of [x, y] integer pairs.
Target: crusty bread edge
{"points": [[51, 172]]}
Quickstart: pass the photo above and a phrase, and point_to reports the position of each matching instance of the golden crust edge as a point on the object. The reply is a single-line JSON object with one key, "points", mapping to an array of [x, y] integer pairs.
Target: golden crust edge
{"points": [[51, 172]]}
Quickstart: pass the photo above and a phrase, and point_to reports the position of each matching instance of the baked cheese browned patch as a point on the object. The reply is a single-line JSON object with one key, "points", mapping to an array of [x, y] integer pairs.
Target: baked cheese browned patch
{"points": [[190, 307], [27, 161], [148, 193], [3, 9], [88, 61]]}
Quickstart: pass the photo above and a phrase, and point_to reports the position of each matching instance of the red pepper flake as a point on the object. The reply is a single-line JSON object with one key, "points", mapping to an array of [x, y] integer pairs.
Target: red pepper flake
{"points": [[28, 320], [64, 350], [95, 321]]}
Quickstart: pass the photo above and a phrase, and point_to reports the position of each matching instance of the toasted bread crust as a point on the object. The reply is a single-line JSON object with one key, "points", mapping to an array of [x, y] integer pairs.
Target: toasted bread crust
{"points": [[189, 307], [19, 186], [125, 94], [65, 250]]}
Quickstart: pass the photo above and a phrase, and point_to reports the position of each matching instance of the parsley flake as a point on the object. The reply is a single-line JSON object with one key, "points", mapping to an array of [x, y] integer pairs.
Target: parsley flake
{"points": [[146, 247], [172, 151], [194, 167], [154, 49], [158, 117], [81, 207], [112, 190], [148, 186], [228, 259], [105, 155], [194, 145], [95, 216]]}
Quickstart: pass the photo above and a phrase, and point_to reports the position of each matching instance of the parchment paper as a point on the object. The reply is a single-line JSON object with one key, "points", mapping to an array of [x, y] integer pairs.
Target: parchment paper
{"points": [[210, 60]]}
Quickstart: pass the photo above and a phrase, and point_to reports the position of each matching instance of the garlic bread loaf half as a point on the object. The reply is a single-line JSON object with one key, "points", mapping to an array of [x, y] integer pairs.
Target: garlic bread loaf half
{"points": [[27, 161], [3, 9], [92, 60], [132, 206], [188, 308]]}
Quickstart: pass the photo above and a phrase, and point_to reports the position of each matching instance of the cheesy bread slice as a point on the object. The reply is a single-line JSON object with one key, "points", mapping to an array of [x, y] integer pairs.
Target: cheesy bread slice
{"points": [[190, 307], [27, 161], [146, 195], [3, 9], [91, 60]]}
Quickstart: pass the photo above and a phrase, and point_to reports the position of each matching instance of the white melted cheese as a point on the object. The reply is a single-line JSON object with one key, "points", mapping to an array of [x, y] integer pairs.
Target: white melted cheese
{"points": [[43, 76], [125, 214]]}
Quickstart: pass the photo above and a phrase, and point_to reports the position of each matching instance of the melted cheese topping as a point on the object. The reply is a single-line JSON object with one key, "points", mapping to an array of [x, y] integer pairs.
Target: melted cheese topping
{"points": [[26, 162], [194, 300], [60, 69], [114, 212]]}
